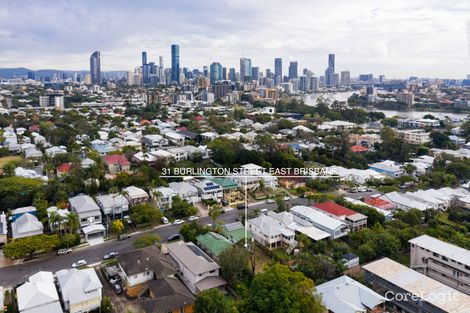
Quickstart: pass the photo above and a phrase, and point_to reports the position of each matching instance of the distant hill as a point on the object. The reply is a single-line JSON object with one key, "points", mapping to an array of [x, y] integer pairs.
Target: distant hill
{"points": [[19, 72]]}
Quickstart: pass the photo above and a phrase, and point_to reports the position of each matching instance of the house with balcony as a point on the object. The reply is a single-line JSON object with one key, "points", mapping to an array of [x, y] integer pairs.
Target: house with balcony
{"points": [[355, 221], [334, 227], [89, 215]]}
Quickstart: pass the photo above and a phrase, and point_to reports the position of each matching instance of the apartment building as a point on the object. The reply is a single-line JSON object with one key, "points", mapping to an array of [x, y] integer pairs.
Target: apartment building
{"points": [[442, 261], [414, 136]]}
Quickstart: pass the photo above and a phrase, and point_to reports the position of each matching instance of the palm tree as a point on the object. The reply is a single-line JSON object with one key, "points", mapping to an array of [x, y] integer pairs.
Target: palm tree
{"points": [[124, 194], [53, 219], [114, 192], [214, 213], [73, 222]]}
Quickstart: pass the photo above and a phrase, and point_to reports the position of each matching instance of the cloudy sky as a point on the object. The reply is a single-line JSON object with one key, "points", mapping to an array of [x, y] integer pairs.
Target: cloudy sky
{"points": [[399, 38]]}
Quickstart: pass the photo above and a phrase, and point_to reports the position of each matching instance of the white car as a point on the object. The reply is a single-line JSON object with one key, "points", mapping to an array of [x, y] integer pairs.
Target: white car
{"points": [[192, 218], [270, 201], [79, 263], [286, 198], [178, 222], [264, 211], [165, 220]]}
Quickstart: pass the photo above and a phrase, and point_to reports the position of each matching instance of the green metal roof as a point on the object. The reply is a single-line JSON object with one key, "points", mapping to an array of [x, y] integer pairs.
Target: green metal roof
{"points": [[213, 242], [225, 183]]}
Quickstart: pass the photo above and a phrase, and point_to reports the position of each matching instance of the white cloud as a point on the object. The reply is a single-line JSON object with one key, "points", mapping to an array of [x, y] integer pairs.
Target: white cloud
{"points": [[396, 38]]}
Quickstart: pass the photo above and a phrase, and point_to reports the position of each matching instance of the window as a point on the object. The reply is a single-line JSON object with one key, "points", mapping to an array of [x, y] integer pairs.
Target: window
{"points": [[435, 254]]}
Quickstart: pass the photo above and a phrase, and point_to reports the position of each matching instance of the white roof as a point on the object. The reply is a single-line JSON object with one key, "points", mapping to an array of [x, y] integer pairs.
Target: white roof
{"points": [[93, 228], [318, 217], [402, 200], [345, 295], [39, 294], [135, 192], [25, 224], [434, 292], [300, 226], [270, 226], [83, 203], [78, 285], [448, 250]]}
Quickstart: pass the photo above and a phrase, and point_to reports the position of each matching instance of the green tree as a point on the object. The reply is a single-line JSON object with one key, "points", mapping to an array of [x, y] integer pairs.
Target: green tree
{"points": [[213, 301], [190, 231], [9, 169], [235, 264], [106, 305], [145, 213], [146, 240], [26, 247], [182, 208], [214, 213], [318, 268], [18, 191], [279, 290]]}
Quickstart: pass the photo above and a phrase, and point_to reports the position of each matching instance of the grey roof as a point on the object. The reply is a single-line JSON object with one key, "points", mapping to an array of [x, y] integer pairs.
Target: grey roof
{"points": [[83, 203], [26, 223], [78, 285], [345, 295], [192, 257], [147, 259], [443, 248], [170, 295]]}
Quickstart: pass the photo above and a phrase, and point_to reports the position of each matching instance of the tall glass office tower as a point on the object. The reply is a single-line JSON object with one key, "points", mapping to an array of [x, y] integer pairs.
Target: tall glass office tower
{"points": [[175, 63], [95, 68]]}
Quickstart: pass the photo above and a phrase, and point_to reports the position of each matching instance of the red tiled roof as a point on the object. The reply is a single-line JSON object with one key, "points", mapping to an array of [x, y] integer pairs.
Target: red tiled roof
{"points": [[64, 167], [199, 118], [378, 202], [145, 122], [116, 159], [181, 128], [34, 128], [359, 148], [334, 208]]}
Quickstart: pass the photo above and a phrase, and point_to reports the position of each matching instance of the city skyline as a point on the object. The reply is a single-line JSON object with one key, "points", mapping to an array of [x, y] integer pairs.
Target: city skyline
{"points": [[426, 38]]}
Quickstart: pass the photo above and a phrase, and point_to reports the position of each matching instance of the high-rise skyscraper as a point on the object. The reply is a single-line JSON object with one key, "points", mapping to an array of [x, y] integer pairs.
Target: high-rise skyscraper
{"points": [[175, 63], [345, 78], [331, 61], [330, 71], [232, 75], [245, 70], [293, 66], [224, 73], [95, 68], [144, 58], [278, 69], [255, 73], [216, 72]]}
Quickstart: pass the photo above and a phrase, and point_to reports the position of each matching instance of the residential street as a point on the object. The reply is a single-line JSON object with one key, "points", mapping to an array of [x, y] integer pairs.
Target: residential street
{"points": [[13, 275]]}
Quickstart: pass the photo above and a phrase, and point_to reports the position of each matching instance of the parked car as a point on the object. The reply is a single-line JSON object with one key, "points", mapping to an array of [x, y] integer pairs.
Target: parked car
{"points": [[242, 207], [110, 255], [225, 202], [192, 218], [286, 198], [64, 251], [124, 236], [264, 211], [178, 222], [173, 237], [165, 220], [117, 288], [270, 201], [79, 263], [115, 279]]}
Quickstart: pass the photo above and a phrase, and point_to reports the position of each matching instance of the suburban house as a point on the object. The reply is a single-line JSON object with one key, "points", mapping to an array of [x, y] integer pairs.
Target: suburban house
{"points": [[168, 294], [179, 154], [175, 138], [355, 220], [229, 187], [25, 226], [208, 190], [441, 261], [155, 141], [389, 278], [270, 232], [113, 204], [62, 213], [186, 191], [195, 268], [139, 267], [388, 167], [345, 295], [89, 214], [16, 213], [38, 294], [350, 260], [334, 227], [116, 164], [259, 172], [163, 197], [404, 202], [213, 243], [135, 195], [235, 232], [80, 289]]}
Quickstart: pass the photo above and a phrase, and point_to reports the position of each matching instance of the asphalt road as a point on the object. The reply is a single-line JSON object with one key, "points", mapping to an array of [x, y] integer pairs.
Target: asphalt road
{"points": [[16, 274]]}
